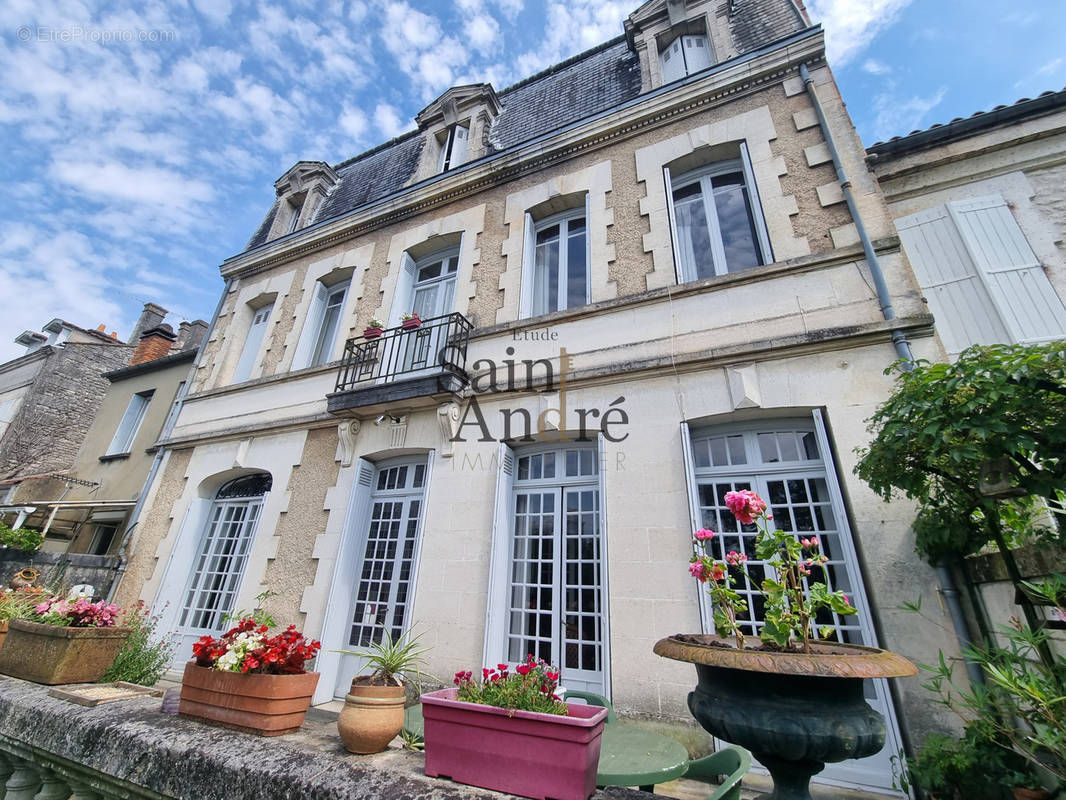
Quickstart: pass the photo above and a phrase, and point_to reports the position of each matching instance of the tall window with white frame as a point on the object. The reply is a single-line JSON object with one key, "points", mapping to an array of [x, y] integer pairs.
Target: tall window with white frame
{"points": [[560, 266], [685, 55], [453, 147], [130, 424], [556, 603], [332, 305], [718, 225], [434, 288], [223, 554]]}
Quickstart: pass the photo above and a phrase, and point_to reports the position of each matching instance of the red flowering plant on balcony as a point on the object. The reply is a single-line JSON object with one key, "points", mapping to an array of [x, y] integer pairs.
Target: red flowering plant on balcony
{"points": [[530, 687], [247, 648], [791, 602]]}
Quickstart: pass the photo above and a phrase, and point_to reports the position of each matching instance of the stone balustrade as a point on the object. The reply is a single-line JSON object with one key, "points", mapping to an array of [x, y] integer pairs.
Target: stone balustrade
{"points": [[52, 749]]}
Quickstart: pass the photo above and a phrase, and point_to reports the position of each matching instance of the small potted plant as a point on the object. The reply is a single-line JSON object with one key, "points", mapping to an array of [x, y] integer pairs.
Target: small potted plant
{"points": [[410, 321], [250, 681], [373, 709], [473, 731], [63, 640], [374, 328]]}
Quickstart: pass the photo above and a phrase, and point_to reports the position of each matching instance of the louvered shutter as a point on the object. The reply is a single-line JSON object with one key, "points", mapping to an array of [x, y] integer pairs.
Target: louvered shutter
{"points": [[697, 53], [500, 559], [1030, 309], [673, 62]]}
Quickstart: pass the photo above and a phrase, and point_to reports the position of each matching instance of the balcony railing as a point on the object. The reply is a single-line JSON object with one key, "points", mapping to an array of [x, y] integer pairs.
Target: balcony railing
{"points": [[436, 346]]}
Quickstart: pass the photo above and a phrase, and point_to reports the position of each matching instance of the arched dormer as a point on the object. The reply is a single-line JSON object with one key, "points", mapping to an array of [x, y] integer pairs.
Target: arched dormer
{"points": [[456, 126], [299, 192]]}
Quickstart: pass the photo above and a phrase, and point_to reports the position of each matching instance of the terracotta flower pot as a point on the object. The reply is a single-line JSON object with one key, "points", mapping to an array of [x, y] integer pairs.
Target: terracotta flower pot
{"points": [[1021, 793], [372, 717], [52, 654], [372, 333], [267, 705], [520, 752], [794, 711]]}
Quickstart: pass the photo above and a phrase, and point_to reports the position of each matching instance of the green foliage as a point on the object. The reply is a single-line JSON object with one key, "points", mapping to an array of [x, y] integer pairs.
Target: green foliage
{"points": [[945, 425], [960, 769], [412, 741], [145, 657], [391, 660], [1024, 704], [19, 603], [20, 538], [1050, 591]]}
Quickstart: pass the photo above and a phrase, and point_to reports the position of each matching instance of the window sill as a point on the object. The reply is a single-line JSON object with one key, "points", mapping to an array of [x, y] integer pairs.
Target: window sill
{"points": [[114, 457]]}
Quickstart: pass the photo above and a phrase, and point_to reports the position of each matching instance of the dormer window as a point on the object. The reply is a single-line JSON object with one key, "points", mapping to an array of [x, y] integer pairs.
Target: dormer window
{"points": [[299, 192], [454, 148], [684, 56], [295, 207]]}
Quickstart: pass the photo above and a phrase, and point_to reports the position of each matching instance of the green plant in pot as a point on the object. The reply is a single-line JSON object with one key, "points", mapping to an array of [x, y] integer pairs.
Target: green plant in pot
{"points": [[795, 701], [373, 709]]}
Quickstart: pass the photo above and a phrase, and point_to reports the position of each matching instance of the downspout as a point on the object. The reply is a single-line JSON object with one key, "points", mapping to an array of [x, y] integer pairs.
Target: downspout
{"points": [[168, 426], [948, 590]]}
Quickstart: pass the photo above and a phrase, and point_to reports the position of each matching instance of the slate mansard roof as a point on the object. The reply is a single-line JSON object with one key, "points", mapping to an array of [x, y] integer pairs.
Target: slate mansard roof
{"points": [[580, 87]]}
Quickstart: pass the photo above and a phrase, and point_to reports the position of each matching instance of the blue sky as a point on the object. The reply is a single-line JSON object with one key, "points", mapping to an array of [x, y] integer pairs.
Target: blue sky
{"points": [[142, 139]]}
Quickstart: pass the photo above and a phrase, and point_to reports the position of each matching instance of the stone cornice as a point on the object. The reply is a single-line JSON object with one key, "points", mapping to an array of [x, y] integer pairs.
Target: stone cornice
{"points": [[740, 76]]}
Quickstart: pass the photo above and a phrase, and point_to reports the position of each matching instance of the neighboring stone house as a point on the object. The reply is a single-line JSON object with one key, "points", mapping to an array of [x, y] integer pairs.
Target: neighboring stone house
{"points": [[980, 204], [48, 398], [643, 254]]}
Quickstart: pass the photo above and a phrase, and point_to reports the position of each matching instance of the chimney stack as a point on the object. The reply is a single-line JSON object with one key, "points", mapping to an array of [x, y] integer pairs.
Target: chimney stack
{"points": [[155, 343], [191, 334], [151, 317]]}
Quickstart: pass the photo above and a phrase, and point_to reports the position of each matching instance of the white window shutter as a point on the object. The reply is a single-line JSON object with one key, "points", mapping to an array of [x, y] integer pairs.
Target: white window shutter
{"points": [[500, 559], [762, 234], [603, 469], [672, 61], [964, 311], [695, 520], [459, 146], [697, 53], [256, 333], [529, 249], [309, 334], [679, 268], [1031, 310], [412, 586], [337, 621]]}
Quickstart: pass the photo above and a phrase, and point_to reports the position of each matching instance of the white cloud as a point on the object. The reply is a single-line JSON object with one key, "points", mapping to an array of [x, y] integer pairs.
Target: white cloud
{"points": [[850, 25], [483, 32], [875, 67], [353, 122], [571, 28], [1051, 67], [899, 116], [217, 11], [387, 119]]}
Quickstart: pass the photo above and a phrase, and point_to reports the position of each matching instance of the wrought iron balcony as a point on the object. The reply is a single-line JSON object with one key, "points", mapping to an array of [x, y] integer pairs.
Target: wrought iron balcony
{"points": [[426, 361]]}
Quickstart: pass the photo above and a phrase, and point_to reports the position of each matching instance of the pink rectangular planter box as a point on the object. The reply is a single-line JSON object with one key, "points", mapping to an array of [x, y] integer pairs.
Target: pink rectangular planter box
{"points": [[542, 756]]}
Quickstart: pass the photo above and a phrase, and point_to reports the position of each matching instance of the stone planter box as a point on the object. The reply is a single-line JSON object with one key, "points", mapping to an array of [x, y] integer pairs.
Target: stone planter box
{"points": [[3, 631], [519, 752], [266, 705], [51, 654]]}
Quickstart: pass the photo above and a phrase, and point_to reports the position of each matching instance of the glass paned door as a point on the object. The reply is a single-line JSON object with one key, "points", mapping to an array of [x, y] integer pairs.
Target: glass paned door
{"points": [[556, 584], [388, 555], [784, 466], [219, 567]]}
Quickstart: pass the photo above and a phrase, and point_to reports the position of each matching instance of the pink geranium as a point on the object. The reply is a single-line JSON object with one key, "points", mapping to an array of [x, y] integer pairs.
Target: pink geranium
{"points": [[695, 569], [745, 505], [703, 534]]}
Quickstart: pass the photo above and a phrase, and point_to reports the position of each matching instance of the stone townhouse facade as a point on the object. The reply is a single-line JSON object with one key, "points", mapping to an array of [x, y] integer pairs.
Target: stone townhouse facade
{"points": [[639, 286]]}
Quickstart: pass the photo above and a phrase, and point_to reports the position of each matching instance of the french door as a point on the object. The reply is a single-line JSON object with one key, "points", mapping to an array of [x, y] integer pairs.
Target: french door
{"points": [[787, 464], [385, 570], [555, 599], [223, 555]]}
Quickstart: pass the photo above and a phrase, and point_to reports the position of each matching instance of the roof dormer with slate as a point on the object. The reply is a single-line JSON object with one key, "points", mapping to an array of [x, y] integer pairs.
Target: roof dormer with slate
{"points": [[456, 128], [300, 192], [677, 38]]}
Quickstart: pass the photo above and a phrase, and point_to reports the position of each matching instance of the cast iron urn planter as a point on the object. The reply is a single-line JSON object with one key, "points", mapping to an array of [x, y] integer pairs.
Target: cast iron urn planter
{"points": [[794, 711]]}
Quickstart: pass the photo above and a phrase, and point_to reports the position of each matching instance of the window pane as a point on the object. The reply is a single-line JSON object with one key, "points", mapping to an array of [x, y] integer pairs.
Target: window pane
{"points": [[546, 272], [736, 222], [693, 236], [576, 266]]}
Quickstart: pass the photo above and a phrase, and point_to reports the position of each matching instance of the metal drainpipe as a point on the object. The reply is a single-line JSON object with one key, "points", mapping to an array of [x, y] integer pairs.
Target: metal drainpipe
{"points": [[948, 590], [163, 436]]}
